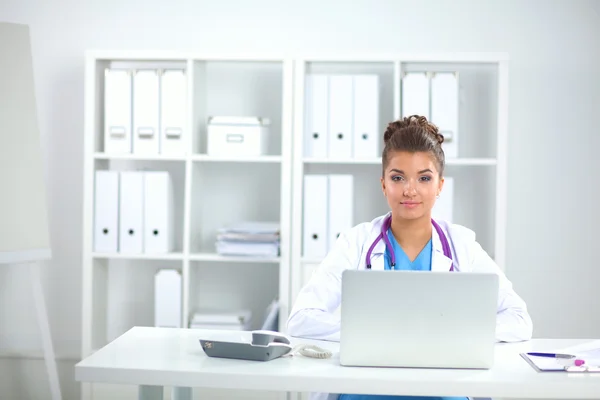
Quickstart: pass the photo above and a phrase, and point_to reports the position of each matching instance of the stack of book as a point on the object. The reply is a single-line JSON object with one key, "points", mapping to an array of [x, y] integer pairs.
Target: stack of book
{"points": [[259, 239], [234, 320]]}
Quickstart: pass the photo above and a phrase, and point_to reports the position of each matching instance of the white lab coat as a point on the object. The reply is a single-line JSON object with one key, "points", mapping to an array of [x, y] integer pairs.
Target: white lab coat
{"points": [[313, 314]]}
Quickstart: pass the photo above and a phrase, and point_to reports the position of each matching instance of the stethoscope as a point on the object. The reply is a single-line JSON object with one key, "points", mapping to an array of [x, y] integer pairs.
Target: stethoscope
{"points": [[383, 235]]}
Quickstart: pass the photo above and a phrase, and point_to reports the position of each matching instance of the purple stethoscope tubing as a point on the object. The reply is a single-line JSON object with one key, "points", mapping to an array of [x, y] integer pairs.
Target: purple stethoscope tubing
{"points": [[383, 235]]}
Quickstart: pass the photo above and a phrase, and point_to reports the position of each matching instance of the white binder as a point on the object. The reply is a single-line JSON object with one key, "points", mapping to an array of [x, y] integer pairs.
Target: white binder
{"points": [[340, 116], [366, 134], [444, 109], [315, 216], [167, 299], [415, 94], [173, 133], [146, 113], [131, 212], [117, 111], [316, 137], [444, 206], [341, 206], [158, 212], [106, 212]]}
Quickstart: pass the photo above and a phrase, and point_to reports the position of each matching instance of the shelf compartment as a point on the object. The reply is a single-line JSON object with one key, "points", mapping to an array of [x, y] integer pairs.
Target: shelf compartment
{"points": [[477, 104], [245, 288], [252, 193], [177, 172], [385, 72], [237, 89], [123, 296], [98, 123]]}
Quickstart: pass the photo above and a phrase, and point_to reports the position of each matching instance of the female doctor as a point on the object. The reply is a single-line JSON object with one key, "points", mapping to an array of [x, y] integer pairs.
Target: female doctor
{"points": [[412, 178]]}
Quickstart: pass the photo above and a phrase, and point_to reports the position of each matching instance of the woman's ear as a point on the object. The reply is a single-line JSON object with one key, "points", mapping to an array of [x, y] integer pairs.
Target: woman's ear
{"points": [[440, 186], [382, 185]]}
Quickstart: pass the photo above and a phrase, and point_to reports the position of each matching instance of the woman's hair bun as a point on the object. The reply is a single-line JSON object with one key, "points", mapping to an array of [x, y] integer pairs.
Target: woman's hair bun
{"points": [[414, 134], [392, 128], [397, 127]]}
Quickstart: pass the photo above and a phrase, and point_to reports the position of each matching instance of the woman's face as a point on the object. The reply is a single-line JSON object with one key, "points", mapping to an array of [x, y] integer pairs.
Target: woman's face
{"points": [[411, 183]]}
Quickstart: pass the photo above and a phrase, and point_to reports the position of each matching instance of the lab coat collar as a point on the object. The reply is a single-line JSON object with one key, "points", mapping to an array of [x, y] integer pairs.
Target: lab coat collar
{"points": [[439, 262]]}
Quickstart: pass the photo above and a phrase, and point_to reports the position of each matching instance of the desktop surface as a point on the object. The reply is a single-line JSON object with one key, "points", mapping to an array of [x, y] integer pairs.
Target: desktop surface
{"points": [[173, 357], [418, 319]]}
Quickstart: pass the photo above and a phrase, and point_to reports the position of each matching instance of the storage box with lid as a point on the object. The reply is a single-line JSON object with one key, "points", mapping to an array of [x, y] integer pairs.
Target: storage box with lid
{"points": [[237, 136]]}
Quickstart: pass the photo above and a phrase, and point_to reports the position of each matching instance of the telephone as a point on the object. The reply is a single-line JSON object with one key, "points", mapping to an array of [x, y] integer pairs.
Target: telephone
{"points": [[265, 346]]}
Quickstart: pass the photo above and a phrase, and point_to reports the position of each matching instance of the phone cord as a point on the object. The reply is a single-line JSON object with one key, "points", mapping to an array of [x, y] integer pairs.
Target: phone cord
{"points": [[311, 351]]}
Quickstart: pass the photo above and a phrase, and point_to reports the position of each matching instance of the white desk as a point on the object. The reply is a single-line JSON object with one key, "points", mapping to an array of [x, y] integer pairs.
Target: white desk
{"points": [[154, 357]]}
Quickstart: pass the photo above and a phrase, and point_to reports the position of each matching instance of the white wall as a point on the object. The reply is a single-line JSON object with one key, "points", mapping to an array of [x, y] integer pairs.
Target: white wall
{"points": [[554, 101]]}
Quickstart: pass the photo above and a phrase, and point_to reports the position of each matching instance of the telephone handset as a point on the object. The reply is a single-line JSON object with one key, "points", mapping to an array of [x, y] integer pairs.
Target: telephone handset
{"points": [[265, 346]]}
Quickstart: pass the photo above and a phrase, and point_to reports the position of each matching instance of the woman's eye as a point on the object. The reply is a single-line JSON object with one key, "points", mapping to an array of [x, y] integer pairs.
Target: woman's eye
{"points": [[426, 178], [396, 178]]}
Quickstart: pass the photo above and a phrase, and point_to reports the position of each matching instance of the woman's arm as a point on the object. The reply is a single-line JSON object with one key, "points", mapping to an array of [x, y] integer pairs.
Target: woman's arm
{"points": [[313, 315], [513, 320]]}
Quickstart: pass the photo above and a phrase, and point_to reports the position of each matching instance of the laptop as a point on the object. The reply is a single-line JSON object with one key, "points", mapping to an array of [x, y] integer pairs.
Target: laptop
{"points": [[418, 319]]}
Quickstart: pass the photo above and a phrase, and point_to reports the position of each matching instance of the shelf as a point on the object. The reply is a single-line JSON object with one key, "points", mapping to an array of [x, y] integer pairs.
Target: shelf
{"points": [[259, 159], [236, 259], [377, 161], [125, 256], [157, 157]]}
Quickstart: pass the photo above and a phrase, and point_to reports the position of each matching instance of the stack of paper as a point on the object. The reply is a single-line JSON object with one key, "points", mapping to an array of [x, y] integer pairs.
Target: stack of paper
{"points": [[588, 355], [249, 239], [235, 320]]}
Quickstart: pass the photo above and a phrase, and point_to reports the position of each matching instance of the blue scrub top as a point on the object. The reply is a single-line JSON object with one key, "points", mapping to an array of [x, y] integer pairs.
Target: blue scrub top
{"points": [[421, 263]]}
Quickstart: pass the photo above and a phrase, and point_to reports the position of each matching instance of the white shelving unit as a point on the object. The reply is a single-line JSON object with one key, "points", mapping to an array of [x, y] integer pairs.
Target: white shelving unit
{"points": [[479, 171], [212, 192], [209, 193]]}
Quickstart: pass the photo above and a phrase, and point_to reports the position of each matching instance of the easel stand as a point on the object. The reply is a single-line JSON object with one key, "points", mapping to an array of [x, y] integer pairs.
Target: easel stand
{"points": [[23, 200], [42, 318]]}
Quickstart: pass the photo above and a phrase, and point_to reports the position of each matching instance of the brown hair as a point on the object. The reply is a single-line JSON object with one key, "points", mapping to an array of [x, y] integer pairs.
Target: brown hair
{"points": [[414, 134]]}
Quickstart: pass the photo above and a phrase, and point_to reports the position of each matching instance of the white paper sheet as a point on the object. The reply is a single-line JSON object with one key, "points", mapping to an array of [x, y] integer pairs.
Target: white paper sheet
{"points": [[588, 352]]}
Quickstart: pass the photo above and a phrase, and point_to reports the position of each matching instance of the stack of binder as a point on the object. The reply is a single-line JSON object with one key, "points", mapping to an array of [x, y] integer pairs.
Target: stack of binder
{"points": [[342, 119], [342, 111], [328, 211], [235, 320], [249, 239], [434, 95], [133, 212], [144, 111]]}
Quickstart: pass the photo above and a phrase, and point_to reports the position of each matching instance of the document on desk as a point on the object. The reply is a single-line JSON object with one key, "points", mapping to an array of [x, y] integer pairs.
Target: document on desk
{"points": [[585, 358]]}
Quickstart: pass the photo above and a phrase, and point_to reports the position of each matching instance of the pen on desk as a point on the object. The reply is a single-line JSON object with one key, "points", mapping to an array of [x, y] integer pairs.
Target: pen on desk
{"points": [[577, 362], [552, 355]]}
